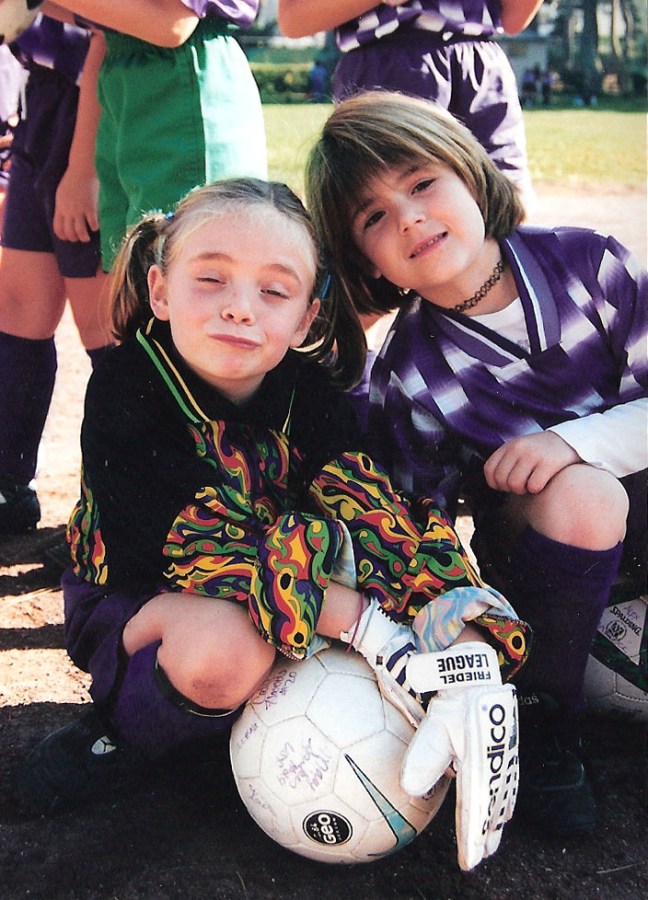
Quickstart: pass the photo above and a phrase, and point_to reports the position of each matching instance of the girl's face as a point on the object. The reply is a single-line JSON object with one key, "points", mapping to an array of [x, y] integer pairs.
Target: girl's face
{"points": [[236, 295], [420, 227]]}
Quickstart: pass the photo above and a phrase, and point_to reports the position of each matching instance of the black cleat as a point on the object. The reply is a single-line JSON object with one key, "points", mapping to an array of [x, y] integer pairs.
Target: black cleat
{"points": [[19, 508], [555, 794], [77, 765]]}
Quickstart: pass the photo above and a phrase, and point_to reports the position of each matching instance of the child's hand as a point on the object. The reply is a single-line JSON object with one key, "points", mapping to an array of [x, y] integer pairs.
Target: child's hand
{"points": [[471, 728], [526, 464], [75, 213]]}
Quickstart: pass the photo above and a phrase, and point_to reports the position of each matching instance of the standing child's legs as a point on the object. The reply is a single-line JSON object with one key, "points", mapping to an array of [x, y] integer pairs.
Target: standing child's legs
{"points": [[38, 273], [32, 299]]}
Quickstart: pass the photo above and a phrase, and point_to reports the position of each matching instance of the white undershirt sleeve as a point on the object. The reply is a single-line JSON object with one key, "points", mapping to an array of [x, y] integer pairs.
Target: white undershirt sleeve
{"points": [[615, 440]]}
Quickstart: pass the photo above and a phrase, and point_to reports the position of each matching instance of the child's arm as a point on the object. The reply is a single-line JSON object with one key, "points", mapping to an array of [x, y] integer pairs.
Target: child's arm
{"points": [[517, 14], [54, 11], [166, 23], [526, 464], [298, 18], [76, 213], [614, 440]]}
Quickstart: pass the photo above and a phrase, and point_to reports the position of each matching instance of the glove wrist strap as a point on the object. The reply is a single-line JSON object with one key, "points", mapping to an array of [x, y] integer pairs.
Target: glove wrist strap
{"points": [[468, 664]]}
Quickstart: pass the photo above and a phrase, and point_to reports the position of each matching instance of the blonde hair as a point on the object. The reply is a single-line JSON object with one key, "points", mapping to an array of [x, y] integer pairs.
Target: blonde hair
{"points": [[379, 130], [335, 337]]}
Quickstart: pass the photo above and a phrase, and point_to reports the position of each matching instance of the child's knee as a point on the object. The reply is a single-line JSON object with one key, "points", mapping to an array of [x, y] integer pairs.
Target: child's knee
{"points": [[225, 677], [581, 506]]}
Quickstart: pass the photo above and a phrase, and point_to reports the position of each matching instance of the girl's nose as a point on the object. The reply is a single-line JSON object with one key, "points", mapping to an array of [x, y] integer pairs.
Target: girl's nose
{"points": [[410, 214], [238, 308]]}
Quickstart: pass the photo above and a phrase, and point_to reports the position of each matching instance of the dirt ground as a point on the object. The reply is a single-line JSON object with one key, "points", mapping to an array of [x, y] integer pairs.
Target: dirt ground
{"points": [[185, 834]]}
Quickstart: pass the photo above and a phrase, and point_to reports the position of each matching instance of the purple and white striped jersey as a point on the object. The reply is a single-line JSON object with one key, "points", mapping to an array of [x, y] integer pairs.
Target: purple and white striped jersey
{"points": [[447, 391], [450, 18], [238, 12], [53, 45]]}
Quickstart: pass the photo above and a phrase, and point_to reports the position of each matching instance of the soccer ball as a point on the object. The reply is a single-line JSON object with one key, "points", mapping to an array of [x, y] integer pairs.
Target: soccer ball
{"points": [[616, 678], [316, 757], [15, 17]]}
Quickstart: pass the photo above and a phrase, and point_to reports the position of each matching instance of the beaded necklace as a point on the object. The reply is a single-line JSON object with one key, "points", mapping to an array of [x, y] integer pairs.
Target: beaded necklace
{"points": [[479, 295]]}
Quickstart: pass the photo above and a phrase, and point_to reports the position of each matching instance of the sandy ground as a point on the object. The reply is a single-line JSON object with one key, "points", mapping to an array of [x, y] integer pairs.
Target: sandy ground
{"points": [[182, 839]]}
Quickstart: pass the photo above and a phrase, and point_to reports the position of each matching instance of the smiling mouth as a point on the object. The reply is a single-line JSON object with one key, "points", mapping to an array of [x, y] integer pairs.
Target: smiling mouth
{"points": [[420, 248]]}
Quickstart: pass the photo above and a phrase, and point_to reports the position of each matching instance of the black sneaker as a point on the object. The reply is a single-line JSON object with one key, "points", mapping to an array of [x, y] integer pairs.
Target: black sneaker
{"points": [[79, 764], [555, 794], [19, 507]]}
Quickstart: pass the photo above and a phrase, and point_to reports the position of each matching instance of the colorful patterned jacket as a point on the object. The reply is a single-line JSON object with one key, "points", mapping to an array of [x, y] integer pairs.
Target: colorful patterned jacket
{"points": [[259, 504]]}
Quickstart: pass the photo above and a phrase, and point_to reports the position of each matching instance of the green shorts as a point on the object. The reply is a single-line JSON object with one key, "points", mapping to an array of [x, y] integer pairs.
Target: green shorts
{"points": [[172, 119]]}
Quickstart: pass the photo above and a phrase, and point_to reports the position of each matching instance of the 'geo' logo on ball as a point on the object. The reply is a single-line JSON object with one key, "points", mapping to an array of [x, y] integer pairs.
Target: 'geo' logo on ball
{"points": [[325, 827]]}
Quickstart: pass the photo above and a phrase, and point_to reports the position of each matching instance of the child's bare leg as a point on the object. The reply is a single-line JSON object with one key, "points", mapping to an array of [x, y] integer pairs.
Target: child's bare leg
{"points": [[581, 506], [210, 651]]}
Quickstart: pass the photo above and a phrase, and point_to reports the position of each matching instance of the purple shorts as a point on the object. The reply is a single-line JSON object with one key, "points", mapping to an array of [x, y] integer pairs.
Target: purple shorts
{"points": [[144, 710], [471, 79], [38, 161]]}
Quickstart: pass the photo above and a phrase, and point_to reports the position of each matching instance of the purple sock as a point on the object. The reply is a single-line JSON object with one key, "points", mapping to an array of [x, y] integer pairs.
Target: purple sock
{"points": [[561, 592], [146, 719], [27, 374], [98, 353]]}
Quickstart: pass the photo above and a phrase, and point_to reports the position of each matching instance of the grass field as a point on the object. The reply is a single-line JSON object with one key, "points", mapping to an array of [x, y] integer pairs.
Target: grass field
{"points": [[573, 146]]}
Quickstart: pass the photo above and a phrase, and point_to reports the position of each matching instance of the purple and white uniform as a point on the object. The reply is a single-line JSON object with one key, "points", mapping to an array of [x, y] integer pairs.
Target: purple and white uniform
{"points": [[447, 18], [442, 50], [447, 390], [238, 12]]}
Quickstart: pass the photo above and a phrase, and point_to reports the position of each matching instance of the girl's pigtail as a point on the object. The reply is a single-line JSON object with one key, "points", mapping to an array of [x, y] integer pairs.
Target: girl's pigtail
{"points": [[129, 300]]}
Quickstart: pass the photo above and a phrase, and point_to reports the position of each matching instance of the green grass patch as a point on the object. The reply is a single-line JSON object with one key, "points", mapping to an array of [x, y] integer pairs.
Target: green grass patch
{"points": [[587, 146], [291, 131], [571, 146]]}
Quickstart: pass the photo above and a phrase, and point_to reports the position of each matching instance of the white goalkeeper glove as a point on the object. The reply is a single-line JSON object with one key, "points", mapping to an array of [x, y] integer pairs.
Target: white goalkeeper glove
{"points": [[470, 725], [387, 646]]}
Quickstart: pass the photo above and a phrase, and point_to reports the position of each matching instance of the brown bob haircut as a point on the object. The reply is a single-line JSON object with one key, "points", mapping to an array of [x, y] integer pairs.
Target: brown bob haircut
{"points": [[376, 131]]}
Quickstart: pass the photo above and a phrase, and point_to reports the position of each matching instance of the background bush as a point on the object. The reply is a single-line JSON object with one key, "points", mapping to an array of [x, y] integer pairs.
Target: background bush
{"points": [[282, 82]]}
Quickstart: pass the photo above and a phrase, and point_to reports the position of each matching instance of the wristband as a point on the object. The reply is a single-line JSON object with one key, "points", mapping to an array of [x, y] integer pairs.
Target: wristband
{"points": [[469, 664]]}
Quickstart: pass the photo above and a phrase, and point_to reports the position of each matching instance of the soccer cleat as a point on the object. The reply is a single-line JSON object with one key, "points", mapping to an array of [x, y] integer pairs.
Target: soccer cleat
{"points": [[19, 507], [79, 764], [555, 794], [387, 646]]}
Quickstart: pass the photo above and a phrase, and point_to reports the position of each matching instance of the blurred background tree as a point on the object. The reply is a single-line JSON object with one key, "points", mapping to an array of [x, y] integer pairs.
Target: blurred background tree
{"points": [[592, 47], [599, 45]]}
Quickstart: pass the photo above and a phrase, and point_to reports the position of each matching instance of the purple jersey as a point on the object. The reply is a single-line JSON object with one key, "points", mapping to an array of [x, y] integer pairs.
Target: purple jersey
{"points": [[449, 18], [238, 12], [53, 45], [447, 391]]}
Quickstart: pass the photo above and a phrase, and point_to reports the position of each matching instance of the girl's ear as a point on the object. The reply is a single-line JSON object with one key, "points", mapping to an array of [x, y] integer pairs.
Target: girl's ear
{"points": [[303, 328], [157, 293]]}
